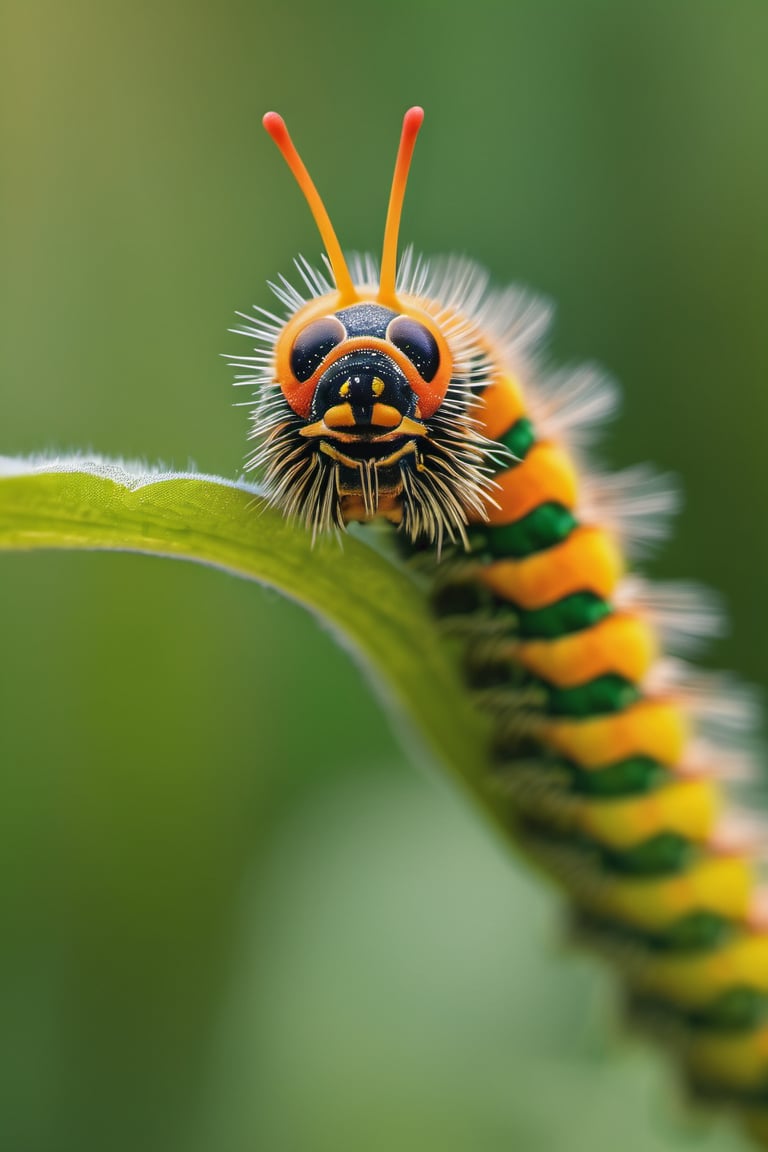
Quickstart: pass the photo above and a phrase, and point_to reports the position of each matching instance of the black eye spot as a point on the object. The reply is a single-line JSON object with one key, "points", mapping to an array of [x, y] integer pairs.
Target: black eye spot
{"points": [[313, 344], [417, 343]]}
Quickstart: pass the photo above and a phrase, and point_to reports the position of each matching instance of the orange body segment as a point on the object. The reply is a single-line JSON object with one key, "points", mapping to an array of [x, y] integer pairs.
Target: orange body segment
{"points": [[499, 406], [587, 561], [653, 728], [622, 643], [546, 474]]}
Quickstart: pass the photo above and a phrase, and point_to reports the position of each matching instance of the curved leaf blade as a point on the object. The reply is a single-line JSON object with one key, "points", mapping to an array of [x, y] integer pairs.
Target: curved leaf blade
{"points": [[375, 607]]}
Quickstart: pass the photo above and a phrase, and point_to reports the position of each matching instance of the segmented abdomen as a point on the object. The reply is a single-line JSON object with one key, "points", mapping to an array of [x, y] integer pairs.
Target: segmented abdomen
{"points": [[598, 746]]}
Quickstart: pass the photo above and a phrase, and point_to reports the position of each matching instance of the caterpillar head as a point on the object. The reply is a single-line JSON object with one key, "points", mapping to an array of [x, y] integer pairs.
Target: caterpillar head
{"points": [[363, 405]]}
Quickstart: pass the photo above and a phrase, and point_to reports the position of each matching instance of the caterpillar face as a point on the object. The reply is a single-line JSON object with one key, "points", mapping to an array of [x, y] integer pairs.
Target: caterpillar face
{"points": [[362, 367], [364, 397], [365, 411]]}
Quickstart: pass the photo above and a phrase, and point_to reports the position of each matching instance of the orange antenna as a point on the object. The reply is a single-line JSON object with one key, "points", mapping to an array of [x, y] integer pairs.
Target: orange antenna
{"points": [[411, 124], [275, 125]]}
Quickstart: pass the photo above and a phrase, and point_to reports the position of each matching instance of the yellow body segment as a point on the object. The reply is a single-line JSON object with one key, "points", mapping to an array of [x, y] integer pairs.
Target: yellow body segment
{"points": [[499, 406], [738, 1062], [654, 728], [622, 643], [545, 475], [719, 885], [687, 808], [587, 561], [694, 981]]}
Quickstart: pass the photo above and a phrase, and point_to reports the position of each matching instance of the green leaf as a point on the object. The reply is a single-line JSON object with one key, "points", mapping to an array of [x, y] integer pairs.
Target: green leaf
{"points": [[374, 605]]}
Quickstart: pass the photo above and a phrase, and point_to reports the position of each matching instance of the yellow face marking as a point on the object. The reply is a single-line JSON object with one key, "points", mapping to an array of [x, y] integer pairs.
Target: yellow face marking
{"points": [[384, 415], [344, 390], [378, 386], [340, 416]]}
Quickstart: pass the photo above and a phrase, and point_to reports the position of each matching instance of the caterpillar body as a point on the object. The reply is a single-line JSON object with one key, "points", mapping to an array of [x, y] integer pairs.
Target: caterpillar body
{"points": [[414, 393]]}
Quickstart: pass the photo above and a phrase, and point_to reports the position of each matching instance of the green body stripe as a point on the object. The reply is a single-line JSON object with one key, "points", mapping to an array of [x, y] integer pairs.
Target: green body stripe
{"points": [[571, 614], [638, 774], [697, 931], [738, 1008], [693, 933], [519, 439], [660, 855], [609, 693], [546, 525]]}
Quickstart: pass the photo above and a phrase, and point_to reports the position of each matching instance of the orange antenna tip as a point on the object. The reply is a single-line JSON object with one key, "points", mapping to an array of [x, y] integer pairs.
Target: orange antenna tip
{"points": [[413, 119], [274, 124]]}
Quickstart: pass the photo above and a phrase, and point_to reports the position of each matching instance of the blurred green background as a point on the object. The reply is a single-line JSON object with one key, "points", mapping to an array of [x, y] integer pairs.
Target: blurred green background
{"points": [[235, 914]]}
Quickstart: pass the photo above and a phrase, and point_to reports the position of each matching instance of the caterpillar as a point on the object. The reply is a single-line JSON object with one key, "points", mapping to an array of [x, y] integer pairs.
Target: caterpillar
{"points": [[414, 392]]}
